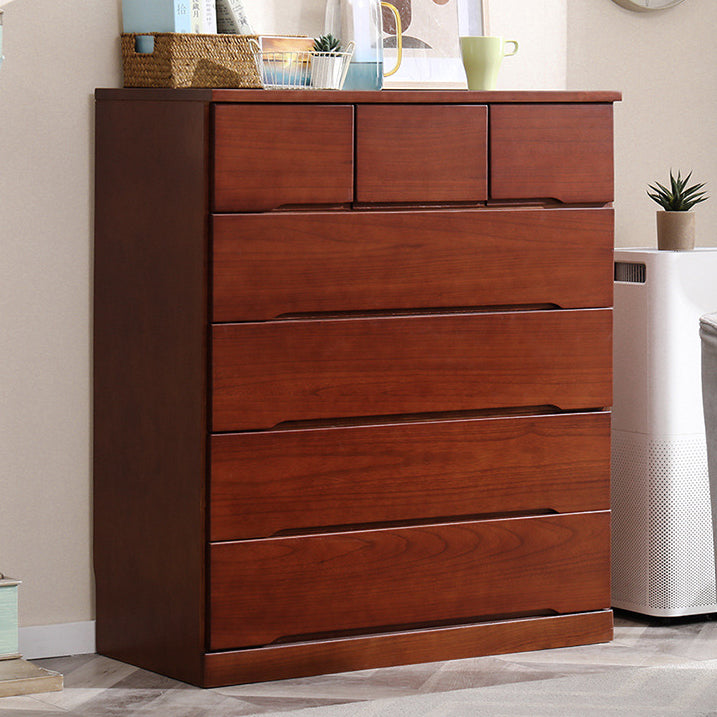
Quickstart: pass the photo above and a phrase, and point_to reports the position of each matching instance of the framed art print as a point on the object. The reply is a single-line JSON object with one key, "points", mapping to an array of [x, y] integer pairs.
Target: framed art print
{"points": [[431, 51]]}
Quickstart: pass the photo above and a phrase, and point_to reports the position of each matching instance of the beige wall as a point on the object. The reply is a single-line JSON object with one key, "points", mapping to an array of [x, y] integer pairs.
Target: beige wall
{"points": [[291, 17], [665, 64], [46, 84], [539, 28], [56, 52]]}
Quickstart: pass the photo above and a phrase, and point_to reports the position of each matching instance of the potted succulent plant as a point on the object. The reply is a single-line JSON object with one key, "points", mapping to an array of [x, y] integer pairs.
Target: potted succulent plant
{"points": [[327, 63], [676, 224]]}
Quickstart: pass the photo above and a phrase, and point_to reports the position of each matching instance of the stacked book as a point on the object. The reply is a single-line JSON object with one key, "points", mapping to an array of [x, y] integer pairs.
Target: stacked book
{"points": [[187, 16]]}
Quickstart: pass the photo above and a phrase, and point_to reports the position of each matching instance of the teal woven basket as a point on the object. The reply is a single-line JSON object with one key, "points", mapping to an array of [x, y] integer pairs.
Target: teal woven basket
{"points": [[8, 618]]}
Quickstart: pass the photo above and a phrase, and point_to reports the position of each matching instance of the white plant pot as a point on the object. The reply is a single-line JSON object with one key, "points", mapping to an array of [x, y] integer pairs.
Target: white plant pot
{"points": [[675, 231], [326, 71]]}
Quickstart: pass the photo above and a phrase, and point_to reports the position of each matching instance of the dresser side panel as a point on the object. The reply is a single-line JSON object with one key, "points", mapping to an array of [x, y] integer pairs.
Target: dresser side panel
{"points": [[150, 353]]}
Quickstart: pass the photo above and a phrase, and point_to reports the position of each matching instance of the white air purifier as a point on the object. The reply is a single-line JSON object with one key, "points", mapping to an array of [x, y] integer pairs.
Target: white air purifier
{"points": [[663, 561]]}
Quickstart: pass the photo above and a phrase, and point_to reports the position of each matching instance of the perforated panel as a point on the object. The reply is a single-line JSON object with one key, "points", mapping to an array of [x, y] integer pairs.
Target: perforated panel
{"points": [[682, 565], [630, 519], [663, 556]]}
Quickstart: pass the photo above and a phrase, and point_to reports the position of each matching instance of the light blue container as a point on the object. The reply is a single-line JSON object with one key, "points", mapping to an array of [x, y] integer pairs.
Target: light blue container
{"points": [[156, 16], [8, 618]]}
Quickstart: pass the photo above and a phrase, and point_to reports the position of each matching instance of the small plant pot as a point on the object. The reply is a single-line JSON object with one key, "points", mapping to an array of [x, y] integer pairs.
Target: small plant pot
{"points": [[327, 70], [675, 231]]}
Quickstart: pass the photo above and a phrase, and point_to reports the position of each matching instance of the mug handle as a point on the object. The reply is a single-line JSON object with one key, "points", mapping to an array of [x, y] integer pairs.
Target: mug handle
{"points": [[515, 48], [399, 39]]}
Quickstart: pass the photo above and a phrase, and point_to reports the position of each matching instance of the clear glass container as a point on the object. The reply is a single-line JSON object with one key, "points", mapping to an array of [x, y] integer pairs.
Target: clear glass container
{"points": [[360, 22]]}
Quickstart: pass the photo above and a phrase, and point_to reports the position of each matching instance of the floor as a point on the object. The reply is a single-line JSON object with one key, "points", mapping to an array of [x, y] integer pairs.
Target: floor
{"points": [[653, 667]]}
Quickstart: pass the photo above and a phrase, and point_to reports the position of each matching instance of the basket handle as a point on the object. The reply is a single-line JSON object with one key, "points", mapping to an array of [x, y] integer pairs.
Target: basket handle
{"points": [[144, 43], [258, 61], [256, 47], [349, 51]]}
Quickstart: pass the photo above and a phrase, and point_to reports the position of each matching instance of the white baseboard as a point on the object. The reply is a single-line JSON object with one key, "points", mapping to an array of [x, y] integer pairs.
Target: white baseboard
{"points": [[68, 638]]}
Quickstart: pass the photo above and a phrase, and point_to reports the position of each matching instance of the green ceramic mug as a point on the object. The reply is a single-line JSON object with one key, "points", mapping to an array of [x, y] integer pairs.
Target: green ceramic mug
{"points": [[482, 57]]}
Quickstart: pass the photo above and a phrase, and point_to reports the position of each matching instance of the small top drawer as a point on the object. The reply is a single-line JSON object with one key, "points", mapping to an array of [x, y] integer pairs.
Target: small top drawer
{"points": [[421, 153], [268, 156], [562, 152]]}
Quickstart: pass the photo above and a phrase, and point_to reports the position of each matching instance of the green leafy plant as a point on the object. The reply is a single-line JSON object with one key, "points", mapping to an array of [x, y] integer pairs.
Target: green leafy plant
{"points": [[327, 43], [679, 197]]}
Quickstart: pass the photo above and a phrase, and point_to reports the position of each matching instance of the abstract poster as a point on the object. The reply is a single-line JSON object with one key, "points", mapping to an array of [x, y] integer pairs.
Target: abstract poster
{"points": [[431, 51]]}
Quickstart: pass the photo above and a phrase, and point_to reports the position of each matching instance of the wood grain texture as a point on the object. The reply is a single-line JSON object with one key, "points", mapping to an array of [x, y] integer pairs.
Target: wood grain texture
{"points": [[337, 261], [424, 153], [150, 353], [292, 480], [272, 372], [387, 333], [564, 152], [371, 580], [278, 662], [346, 97], [268, 156]]}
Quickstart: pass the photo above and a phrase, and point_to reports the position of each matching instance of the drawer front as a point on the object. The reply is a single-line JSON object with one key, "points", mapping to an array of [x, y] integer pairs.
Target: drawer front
{"points": [[275, 155], [421, 153], [271, 372], [297, 480], [379, 580], [562, 152], [336, 261]]}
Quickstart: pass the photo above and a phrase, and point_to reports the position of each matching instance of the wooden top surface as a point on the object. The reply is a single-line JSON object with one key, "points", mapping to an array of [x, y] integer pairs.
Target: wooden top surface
{"points": [[341, 97]]}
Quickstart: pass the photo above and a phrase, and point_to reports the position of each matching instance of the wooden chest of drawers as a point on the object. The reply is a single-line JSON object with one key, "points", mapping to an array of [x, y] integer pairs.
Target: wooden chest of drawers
{"points": [[352, 376]]}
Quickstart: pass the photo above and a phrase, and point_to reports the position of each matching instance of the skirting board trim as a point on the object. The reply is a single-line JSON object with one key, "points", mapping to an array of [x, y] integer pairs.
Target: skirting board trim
{"points": [[67, 638]]}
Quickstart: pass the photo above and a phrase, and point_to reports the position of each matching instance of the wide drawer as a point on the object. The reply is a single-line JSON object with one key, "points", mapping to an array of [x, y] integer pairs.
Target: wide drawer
{"points": [[421, 153], [276, 371], [268, 156], [396, 578], [341, 261], [263, 483], [562, 152], [429, 644]]}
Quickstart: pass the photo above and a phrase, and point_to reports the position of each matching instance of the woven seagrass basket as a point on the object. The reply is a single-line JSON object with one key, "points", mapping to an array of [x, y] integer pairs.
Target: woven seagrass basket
{"points": [[188, 60]]}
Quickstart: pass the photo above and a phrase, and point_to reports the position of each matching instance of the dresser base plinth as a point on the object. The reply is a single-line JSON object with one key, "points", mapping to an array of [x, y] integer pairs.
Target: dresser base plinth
{"points": [[359, 653]]}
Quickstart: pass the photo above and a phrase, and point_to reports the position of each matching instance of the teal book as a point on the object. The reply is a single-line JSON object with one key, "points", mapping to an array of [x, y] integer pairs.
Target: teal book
{"points": [[8, 618], [156, 16]]}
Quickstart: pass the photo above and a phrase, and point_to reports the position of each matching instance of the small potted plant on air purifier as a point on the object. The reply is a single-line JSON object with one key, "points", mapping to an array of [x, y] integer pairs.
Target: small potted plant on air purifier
{"points": [[676, 224], [327, 63]]}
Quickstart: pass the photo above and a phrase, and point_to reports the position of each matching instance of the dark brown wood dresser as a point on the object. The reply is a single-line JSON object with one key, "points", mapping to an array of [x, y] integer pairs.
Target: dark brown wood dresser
{"points": [[352, 377]]}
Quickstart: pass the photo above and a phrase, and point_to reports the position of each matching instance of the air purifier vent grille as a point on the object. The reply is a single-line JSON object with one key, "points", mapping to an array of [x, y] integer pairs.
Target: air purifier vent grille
{"points": [[630, 272], [630, 519], [680, 525], [662, 525]]}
